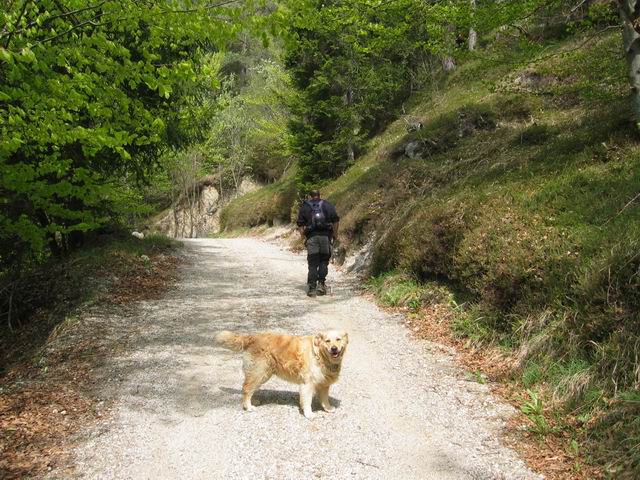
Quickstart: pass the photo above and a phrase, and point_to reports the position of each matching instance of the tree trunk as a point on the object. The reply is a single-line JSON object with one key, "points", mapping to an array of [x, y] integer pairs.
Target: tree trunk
{"points": [[176, 221], [220, 179], [348, 102], [174, 203], [473, 35], [630, 14], [234, 177], [448, 64], [190, 217], [351, 154]]}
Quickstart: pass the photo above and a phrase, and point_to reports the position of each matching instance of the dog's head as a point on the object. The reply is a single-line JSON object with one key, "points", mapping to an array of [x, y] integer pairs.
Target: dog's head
{"points": [[331, 344]]}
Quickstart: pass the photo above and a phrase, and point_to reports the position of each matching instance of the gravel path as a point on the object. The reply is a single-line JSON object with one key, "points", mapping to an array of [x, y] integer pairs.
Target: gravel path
{"points": [[404, 410]]}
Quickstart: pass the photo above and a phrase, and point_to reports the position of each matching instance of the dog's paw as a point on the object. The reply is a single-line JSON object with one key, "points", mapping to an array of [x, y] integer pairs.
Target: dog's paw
{"points": [[328, 408], [309, 415], [248, 408]]}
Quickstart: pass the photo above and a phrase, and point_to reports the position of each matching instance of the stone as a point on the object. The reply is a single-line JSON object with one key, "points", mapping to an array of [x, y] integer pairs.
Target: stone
{"points": [[415, 149]]}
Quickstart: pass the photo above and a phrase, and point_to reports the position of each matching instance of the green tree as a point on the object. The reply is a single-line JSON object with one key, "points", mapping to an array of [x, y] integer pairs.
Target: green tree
{"points": [[351, 63], [248, 131], [90, 96]]}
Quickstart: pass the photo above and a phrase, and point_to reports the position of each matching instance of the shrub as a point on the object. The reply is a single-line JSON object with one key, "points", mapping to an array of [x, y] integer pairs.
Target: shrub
{"points": [[502, 260], [267, 205]]}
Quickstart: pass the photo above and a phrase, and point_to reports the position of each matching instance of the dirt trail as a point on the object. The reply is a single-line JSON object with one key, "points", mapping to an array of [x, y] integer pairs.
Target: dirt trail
{"points": [[405, 411]]}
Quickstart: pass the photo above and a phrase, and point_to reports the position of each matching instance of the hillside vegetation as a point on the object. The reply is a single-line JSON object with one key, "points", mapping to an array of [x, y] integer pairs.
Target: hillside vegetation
{"points": [[522, 203]]}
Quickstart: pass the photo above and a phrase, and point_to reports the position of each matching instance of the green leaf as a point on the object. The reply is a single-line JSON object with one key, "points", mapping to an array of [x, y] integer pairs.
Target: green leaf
{"points": [[5, 55], [164, 90], [27, 55], [158, 125]]}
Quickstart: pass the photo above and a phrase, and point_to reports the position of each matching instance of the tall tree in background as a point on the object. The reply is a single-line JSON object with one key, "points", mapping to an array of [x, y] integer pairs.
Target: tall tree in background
{"points": [[473, 34], [351, 62]]}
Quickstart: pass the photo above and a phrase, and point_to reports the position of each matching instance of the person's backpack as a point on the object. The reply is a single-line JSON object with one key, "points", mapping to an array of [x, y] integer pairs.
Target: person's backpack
{"points": [[318, 216]]}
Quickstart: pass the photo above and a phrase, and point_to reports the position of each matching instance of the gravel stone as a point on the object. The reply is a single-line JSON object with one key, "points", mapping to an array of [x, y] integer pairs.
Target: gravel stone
{"points": [[404, 409]]}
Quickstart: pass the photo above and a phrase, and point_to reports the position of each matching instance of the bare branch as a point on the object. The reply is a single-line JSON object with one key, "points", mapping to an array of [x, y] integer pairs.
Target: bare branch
{"points": [[623, 208], [537, 9], [574, 9], [521, 29]]}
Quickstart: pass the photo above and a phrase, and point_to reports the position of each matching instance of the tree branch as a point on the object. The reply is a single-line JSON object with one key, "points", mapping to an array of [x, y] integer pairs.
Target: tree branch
{"points": [[63, 9], [206, 7], [578, 6], [623, 209], [536, 10], [24, 9], [55, 17], [91, 22], [521, 29]]}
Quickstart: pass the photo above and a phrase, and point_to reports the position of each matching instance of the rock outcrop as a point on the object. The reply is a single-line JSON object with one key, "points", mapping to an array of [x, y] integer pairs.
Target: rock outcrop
{"points": [[199, 215]]}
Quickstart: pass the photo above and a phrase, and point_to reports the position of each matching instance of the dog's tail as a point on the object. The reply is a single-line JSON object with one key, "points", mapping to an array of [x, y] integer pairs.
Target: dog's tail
{"points": [[233, 341]]}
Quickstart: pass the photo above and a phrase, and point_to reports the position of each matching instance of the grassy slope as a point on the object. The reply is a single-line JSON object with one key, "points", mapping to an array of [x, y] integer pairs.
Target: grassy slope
{"points": [[264, 206], [521, 208], [527, 223]]}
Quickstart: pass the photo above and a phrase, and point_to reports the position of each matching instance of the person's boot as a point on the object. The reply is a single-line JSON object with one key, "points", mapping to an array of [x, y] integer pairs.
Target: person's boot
{"points": [[322, 288], [311, 291]]}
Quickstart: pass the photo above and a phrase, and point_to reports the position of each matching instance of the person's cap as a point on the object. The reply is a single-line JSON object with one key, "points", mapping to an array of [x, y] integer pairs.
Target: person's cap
{"points": [[315, 193]]}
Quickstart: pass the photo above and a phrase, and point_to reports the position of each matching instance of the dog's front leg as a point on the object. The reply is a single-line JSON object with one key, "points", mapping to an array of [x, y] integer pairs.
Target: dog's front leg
{"points": [[306, 397], [323, 393]]}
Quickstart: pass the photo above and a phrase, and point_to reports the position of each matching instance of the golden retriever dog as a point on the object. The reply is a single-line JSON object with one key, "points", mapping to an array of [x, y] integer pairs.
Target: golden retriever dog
{"points": [[313, 362]]}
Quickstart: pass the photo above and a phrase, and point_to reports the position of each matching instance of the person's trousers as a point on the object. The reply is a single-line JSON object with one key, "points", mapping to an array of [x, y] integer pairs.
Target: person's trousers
{"points": [[318, 256]]}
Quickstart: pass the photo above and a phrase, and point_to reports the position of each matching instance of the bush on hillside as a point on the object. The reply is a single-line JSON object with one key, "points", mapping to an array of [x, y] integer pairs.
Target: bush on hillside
{"points": [[268, 205], [424, 243]]}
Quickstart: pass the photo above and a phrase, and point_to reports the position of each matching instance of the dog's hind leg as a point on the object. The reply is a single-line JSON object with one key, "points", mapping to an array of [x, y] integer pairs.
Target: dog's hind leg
{"points": [[256, 373], [323, 393], [306, 397]]}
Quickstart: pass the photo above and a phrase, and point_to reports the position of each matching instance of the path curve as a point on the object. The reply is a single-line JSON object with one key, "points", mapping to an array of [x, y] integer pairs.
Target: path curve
{"points": [[405, 411]]}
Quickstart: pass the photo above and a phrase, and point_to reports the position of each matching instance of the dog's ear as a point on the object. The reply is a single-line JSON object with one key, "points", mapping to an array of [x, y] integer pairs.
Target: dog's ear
{"points": [[345, 336], [317, 340]]}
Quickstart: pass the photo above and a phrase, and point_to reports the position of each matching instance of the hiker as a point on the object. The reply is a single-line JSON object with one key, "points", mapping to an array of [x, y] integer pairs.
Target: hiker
{"points": [[318, 224]]}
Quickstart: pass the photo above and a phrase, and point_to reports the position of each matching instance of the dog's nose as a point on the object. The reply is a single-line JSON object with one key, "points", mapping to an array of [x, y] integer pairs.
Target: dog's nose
{"points": [[334, 349]]}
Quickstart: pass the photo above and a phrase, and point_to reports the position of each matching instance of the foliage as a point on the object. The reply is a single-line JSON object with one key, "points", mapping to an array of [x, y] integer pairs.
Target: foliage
{"points": [[533, 409], [352, 64], [241, 130], [248, 134], [90, 96]]}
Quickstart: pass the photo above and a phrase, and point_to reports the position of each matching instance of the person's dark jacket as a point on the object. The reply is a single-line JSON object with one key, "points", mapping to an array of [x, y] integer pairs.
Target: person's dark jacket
{"points": [[305, 220]]}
